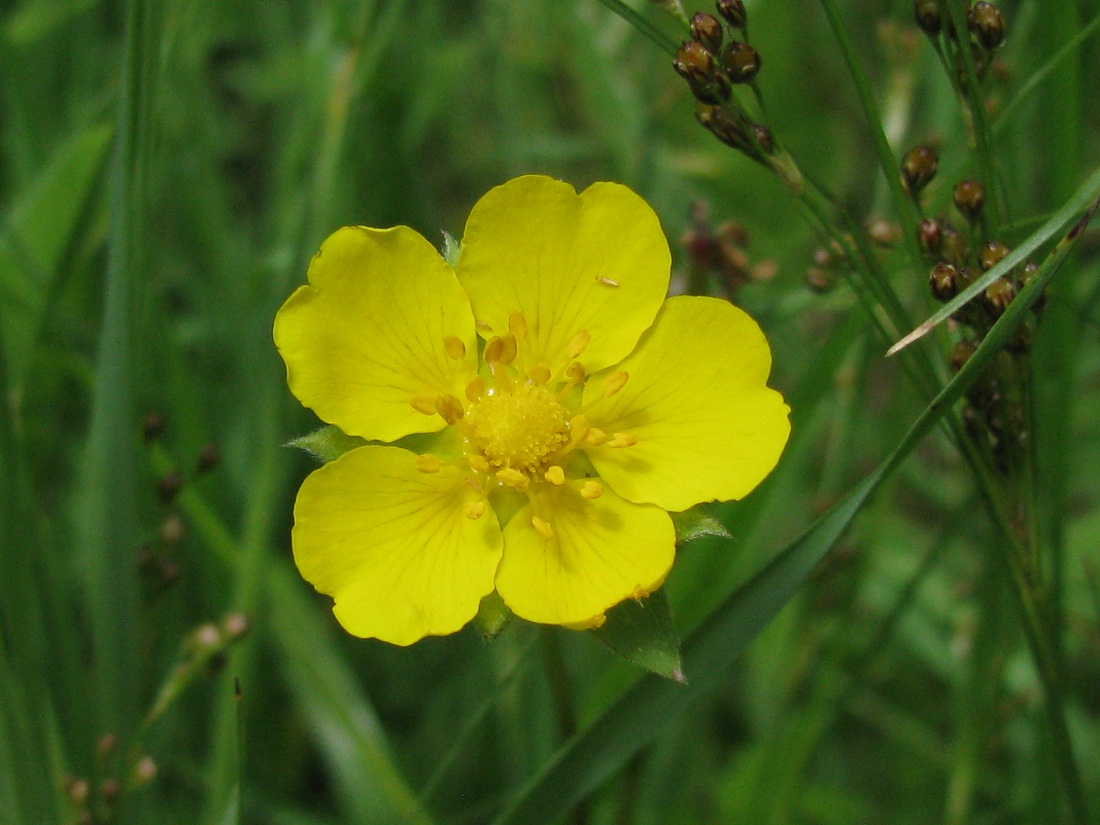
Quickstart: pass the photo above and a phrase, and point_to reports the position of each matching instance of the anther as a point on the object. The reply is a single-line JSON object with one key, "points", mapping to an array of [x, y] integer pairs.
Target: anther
{"points": [[423, 404], [622, 440], [449, 408], [575, 373], [595, 436], [517, 325], [428, 463], [555, 475], [475, 388], [540, 374], [478, 463], [512, 477], [474, 510], [455, 347], [542, 527], [508, 349], [591, 489], [579, 343], [615, 382]]}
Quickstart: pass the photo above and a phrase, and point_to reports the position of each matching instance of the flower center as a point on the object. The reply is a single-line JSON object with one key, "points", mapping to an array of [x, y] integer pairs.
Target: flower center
{"points": [[518, 427]]}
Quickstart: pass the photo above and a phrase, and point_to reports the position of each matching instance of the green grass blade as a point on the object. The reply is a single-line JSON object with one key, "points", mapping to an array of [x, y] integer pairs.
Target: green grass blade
{"points": [[34, 235], [662, 40]]}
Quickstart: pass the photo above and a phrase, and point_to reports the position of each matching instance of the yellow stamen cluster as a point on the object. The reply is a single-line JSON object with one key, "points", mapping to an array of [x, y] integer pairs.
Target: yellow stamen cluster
{"points": [[521, 426]]}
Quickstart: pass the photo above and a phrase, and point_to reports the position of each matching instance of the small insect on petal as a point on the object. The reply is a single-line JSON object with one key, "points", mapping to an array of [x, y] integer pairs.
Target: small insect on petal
{"points": [[607, 281]]}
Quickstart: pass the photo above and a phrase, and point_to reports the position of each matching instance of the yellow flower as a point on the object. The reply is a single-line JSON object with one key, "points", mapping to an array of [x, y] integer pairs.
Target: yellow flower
{"points": [[541, 463]]}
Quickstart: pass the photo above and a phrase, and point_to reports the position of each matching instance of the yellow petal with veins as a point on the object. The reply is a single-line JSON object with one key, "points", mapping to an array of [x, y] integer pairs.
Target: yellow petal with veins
{"points": [[403, 552], [706, 425], [535, 245], [594, 555], [375, 332]]}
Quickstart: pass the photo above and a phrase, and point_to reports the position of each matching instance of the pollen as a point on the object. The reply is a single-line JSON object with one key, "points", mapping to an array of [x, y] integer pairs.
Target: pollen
{"points": [[428, 463], [519, 429], [475, 509]]}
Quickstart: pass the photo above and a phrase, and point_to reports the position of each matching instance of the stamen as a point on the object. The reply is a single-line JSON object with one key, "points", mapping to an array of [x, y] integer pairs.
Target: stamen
{"points": [[517, 325], [423, 404], [478, 463], [555, 475], [542, 527], [508, 349], [455, 347], [428, 463], [475, 388], [595, 436], [540, 374], [591, 489], [483, 326], [579, 343], [512, 477], [493, 349], [474, 510], [575, 373], [622, 440], [615, 382], [449, 408], [578, 429]]}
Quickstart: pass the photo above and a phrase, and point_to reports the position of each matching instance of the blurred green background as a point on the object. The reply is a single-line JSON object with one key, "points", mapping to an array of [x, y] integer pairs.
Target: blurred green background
{"points": [[167, 170]]}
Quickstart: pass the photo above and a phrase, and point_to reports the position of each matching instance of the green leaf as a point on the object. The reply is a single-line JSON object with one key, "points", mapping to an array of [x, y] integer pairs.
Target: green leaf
{"points": [[328, 443], [641, 631], [696, 523]]}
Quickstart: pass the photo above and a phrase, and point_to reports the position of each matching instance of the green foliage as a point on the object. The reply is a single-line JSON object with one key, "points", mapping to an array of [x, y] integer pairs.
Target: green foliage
{"points": [[901, 624]]}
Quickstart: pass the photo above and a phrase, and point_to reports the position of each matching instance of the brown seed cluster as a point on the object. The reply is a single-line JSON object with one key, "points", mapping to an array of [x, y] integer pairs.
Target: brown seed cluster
{"points": [[716, 59]]}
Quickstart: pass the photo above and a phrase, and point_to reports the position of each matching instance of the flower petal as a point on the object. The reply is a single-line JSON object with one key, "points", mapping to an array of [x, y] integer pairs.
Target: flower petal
{"points": [[366, 335], [595, 262], [707, 425], [601, 552], [392, 545]]}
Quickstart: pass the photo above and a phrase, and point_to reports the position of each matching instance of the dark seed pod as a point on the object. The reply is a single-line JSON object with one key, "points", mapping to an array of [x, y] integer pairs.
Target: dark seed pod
{"points": [[952, 246], [741, 60], [942, 282], [969, 198], [987, 24], [706, 29], [991, 254], [918, 167], [961, 353], [168, 486], [927, 15], [152, 426], [694, 63], [930, 236], [733, 12], [719, 122], [998, 295]]}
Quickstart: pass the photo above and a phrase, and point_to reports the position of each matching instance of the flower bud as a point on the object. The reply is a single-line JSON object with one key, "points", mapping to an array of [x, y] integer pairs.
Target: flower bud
{"points": [[930, 236], [918, 167], [991, 254], [942, 282], [986, 24], [733, 12], [969, 197], [706, 29], [741, 60], [884, 233], [927, 15]]}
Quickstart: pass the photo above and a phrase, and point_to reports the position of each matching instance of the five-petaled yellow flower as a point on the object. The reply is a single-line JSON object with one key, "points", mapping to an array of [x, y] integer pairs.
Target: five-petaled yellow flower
{"points": [[541, 463]]}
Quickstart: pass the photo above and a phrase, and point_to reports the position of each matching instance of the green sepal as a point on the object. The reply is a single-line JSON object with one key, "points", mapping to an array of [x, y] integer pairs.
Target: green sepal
{"points": [[328, 443], [451, 249], [492, 616], [696, 523], [641, 631]]}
